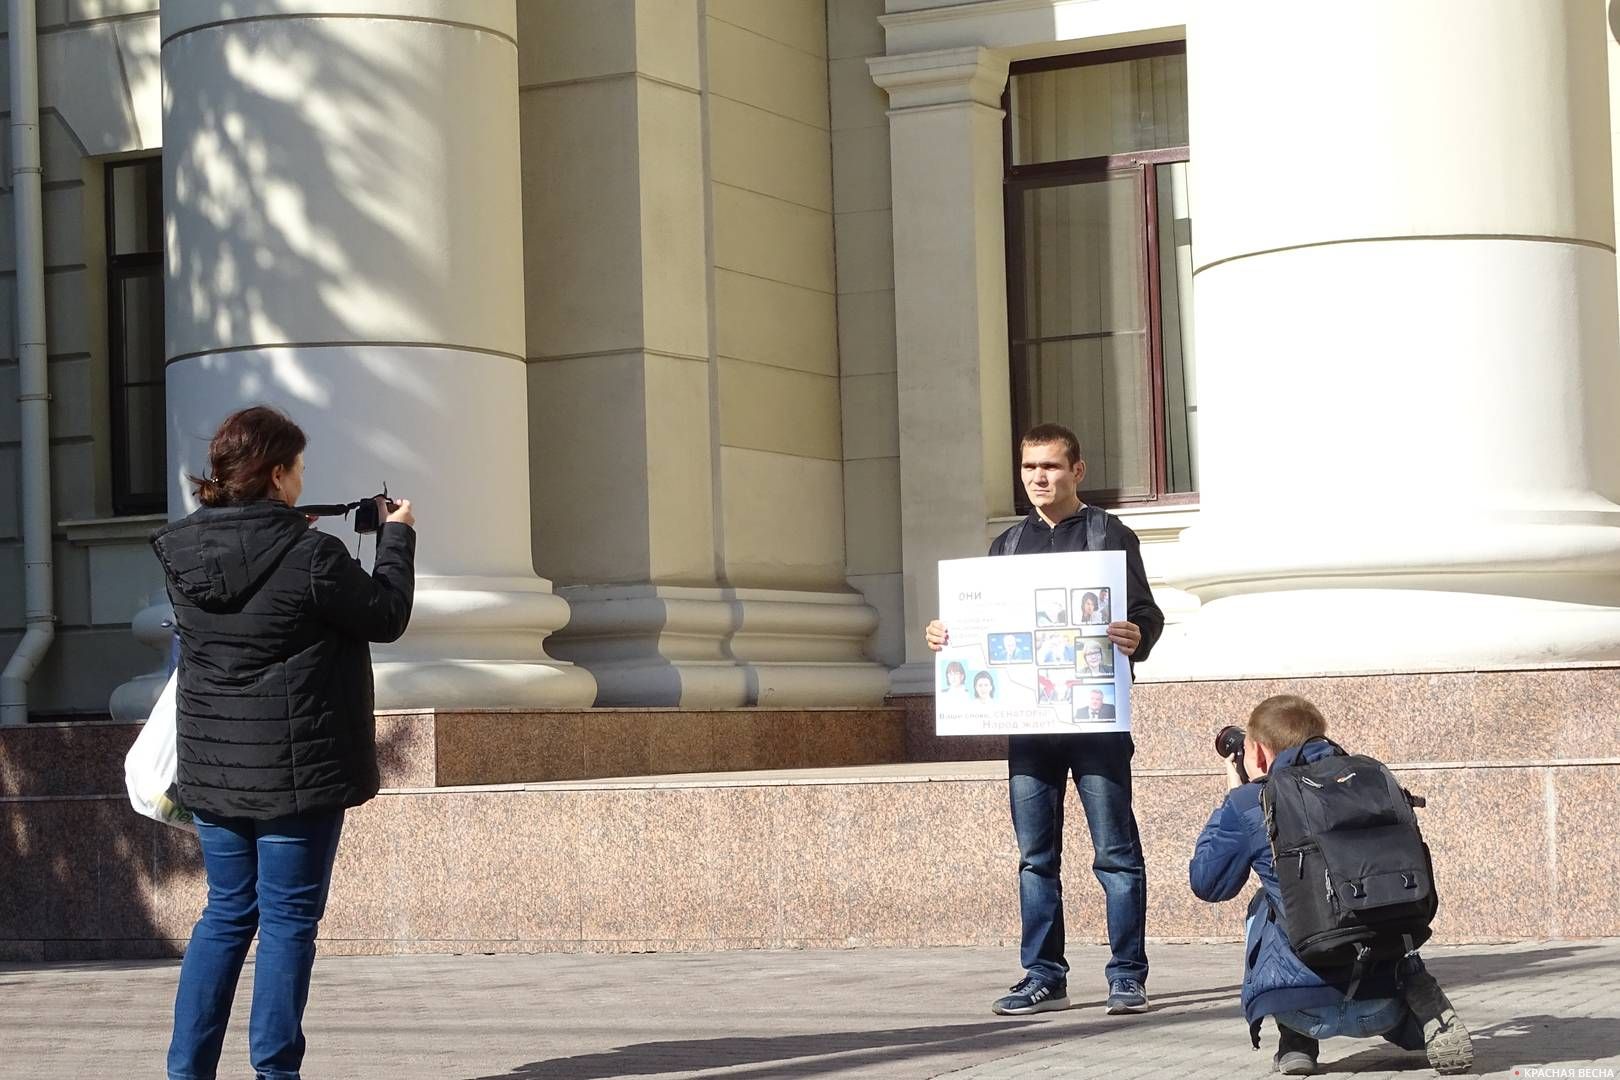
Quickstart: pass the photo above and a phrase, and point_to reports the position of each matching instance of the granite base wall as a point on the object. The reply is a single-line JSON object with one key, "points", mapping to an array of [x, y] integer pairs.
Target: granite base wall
{"points": [[1521, 770]]}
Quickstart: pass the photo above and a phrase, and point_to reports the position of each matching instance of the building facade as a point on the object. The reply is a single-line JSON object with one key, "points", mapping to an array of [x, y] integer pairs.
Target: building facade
{"points": [[700, 330]]}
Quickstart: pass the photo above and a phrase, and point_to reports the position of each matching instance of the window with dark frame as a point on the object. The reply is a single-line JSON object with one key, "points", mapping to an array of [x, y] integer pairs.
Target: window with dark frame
{"points": [[134, 197], [1099, 267]]}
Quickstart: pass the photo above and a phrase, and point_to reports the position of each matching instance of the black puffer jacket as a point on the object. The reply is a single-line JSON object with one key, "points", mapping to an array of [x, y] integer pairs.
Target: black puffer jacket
{"points": [[274, 698]]}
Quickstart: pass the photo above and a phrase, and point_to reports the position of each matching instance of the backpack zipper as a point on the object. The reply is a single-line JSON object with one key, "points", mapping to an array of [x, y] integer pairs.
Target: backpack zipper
{"points": [[1294, 853]]}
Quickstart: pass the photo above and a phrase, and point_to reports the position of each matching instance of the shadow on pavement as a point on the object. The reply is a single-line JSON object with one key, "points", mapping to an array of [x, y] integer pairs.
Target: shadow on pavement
{"points": [[811, 1054], [1462, 971], [855, 1048], [1531, 1040]]}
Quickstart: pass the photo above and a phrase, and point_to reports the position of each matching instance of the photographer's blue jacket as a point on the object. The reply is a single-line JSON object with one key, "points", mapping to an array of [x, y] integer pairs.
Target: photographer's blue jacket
{"points": [[1233, 842]]}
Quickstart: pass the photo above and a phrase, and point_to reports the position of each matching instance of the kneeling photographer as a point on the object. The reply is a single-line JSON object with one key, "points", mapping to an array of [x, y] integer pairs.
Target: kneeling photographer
{"points": [[1346, 892], [276, 736]]}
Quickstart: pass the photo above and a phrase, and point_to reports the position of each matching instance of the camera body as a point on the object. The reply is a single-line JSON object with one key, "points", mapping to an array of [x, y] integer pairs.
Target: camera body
{"points": [[369, 514]]}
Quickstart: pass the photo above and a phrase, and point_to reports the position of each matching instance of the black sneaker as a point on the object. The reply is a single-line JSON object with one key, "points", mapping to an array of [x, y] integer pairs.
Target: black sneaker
{"points": [[1033, 994], [1445, 1039], [1126, 996], [1293, 1063], [1296, 1053]]}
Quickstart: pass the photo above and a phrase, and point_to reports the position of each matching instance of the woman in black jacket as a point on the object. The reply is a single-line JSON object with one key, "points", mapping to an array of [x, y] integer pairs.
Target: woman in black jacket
{"points": [[275, 722]]}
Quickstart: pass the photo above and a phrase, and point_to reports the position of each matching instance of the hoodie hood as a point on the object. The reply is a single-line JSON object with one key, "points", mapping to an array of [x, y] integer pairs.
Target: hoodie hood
{"points": [[219, 556]]}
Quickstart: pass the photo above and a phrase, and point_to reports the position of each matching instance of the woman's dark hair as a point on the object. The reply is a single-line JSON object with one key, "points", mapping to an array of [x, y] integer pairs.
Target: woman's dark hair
{"points": [[244, 452]]}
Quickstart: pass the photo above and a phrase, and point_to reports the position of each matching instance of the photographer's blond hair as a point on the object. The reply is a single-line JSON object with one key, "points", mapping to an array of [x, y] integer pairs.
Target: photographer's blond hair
{"points": [[1285, 721]]}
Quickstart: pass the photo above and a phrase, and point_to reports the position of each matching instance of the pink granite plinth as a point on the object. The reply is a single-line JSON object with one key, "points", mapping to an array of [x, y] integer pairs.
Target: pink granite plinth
{"points": [[1521, 770], [502, 747], [904, 857], [1495, 717]]}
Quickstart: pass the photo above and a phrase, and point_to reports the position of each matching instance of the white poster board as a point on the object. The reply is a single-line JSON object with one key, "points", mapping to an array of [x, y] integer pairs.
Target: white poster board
{"points": [[1027, 649]]}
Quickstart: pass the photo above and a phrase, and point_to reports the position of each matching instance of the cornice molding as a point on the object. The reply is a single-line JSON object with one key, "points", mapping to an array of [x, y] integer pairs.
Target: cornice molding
{"points": [[945, 77]]}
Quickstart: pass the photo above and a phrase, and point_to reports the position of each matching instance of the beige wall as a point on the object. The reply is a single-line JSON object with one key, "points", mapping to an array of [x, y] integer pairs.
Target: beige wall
{"points": [[776, 345], [617, 293], [865, 255], [682, 307], [99, 99]]}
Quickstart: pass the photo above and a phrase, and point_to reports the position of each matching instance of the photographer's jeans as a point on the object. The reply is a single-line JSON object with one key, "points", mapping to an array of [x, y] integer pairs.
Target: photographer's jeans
{"points": [[1038, 768], [266, 876], [1388, 1017]]}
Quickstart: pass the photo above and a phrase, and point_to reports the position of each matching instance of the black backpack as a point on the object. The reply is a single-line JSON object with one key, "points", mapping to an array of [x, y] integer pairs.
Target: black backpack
{"points": [[1357, 882]]}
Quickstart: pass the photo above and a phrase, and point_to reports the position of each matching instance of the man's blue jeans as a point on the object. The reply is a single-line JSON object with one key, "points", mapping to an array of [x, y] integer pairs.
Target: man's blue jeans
{"points": [[1388, 1017], [1038, 768], [265, 876]]}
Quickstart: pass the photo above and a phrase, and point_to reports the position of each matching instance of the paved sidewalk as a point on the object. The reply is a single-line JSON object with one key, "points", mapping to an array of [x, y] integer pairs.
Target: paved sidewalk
{"points": [[1547, 1008]]}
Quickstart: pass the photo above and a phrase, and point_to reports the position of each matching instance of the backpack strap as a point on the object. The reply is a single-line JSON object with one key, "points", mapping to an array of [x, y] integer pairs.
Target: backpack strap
{"points": [[1096, 528], [1338, 750], [1007, 542]]}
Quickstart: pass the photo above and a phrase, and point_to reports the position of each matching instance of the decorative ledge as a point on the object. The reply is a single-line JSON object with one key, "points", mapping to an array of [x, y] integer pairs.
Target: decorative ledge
{"points": [[113, 530]]}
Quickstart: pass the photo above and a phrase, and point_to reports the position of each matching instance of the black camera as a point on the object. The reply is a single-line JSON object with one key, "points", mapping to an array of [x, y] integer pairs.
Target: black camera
{"points": [[1229, 741], [369, 513]]}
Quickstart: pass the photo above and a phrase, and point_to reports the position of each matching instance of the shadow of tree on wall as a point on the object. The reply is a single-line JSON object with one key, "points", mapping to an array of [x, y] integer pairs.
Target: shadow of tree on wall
{"points": [[84, 877], [301, 148]]}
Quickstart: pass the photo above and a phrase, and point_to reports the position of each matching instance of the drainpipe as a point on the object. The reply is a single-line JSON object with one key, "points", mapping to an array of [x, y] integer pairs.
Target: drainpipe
{"points": [[33, 396]]}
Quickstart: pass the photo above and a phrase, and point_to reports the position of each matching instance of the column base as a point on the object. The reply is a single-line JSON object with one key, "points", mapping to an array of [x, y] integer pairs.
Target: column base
{"points": [[1368, 631], [152, 626], [473, 643], [696, 648], [1410, 593]]}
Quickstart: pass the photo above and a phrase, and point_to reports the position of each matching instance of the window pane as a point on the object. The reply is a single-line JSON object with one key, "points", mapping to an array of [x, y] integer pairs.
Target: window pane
{"points": [[1084, 259], [1099, 109], [142, 329], [142, 465], [1176, 328], [1102, 390], [136, 192]]}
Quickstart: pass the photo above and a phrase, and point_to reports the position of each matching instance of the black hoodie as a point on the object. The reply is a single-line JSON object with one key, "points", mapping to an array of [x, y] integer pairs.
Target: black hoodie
{"points": [[274, 702]]}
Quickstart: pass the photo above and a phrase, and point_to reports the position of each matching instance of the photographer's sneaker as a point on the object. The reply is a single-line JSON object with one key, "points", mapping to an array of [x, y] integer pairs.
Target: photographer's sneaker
{"points": [[1126, 996], [1296, 1054], [1445, 1039], [1033, 994]]}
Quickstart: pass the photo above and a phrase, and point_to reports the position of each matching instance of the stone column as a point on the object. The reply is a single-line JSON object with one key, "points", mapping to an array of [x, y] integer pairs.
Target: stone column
{"points": [[1407, 338], [950, 305], [344, 241]]}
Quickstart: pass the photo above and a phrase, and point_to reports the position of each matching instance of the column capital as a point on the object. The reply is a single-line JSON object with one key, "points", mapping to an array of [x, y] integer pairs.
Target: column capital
{"points": [[971, 75]]}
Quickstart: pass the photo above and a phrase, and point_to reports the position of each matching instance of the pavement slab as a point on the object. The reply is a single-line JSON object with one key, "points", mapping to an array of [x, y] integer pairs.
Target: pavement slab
{"points": [[1538, 1009]]}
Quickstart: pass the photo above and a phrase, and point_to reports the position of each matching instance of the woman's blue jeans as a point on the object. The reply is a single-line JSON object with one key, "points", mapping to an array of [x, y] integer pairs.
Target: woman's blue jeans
{"points": [[269, 877]]}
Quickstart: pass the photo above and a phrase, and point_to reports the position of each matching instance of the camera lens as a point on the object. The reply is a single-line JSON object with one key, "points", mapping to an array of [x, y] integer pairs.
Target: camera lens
{"points": [[1229, 741]]}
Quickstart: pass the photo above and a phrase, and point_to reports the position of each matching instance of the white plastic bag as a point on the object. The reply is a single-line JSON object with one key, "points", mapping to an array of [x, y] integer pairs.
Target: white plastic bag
{"points": [[149, 767]]}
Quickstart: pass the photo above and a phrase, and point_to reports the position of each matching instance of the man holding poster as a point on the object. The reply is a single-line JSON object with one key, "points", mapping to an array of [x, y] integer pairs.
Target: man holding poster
{"points": [[1039, 765]]}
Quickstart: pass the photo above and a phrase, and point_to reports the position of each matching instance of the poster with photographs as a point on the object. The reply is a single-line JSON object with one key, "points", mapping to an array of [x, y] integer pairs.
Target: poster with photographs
{"points": [[1028, 651]]}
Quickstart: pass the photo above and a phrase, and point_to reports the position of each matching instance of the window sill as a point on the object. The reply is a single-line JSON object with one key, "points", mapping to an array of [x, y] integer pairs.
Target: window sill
{"points": [[113, 530]]}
